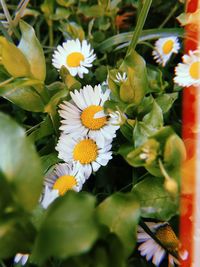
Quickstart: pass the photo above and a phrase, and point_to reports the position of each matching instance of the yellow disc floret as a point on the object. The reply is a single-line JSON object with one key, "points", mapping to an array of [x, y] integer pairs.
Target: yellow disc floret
{"points": [[195, 70], [73, 60], [88, 120], [85, 151], [168, 46], [168, 238], [64, 183]]}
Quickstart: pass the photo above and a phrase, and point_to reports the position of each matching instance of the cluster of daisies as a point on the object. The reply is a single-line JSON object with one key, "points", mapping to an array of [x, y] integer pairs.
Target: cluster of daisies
{"points": [[187, 73], [86, 130]]}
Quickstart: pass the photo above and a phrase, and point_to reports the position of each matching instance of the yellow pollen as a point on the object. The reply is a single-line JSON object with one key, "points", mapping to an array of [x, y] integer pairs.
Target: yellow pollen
{"points": [[64, 183], [167, 47], [168, 238], [74, 59], [195, 70], [85, 151], [88, 120]]}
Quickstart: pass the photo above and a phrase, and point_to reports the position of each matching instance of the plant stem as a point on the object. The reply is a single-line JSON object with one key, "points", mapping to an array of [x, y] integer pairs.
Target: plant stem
{"points": [[139, 26], [6, 81], [21, 7], [169, 16], [9, 19]]}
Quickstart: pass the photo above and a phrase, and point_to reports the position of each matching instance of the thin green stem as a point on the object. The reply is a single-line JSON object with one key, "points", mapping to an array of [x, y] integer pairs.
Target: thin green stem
{"points": [[9, 19], [6, 81], [139, 26], [21, 7], [169, 16], [51, 34], [162, 168]]}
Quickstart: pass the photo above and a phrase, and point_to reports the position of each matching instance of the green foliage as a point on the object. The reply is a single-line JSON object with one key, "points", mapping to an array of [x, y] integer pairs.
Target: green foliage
{"points": [[69, 228], [120, 213], [153, 198]]}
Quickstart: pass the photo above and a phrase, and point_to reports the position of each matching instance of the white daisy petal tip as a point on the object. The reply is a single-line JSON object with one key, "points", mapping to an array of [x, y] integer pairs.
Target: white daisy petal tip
{"points": [[85, 115], [89, 154], [187, 73], [120, 78], [21, 258], [164, 48], [76, 56]]}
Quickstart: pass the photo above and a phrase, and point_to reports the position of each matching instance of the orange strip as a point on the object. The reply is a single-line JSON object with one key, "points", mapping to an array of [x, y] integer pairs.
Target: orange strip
{"points": [[189, 134]]}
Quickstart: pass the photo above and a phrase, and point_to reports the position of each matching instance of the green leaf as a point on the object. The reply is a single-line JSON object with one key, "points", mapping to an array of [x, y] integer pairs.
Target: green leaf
{"points": [[155, 201], [174, 152], [165, 101], [21, 93], [31, 48], [151, 34], [141, 133], [16, 235], [72, 30], [19, 164], [135, 87], [155, 80], [69, 228], [48, 161], [92, 11], [66, 3], [13, 59], [120, 212], [154, 119]]}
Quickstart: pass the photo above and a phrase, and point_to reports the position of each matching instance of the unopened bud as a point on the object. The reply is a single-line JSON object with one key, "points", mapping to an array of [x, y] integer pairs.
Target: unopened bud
{"points": [[171, 186]]}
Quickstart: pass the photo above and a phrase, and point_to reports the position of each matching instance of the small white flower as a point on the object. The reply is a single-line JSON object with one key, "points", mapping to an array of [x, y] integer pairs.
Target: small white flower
{"points": [[21, 258], [64, 177], [88, 153], [84, 115], [188, 72], [152, 250], [164, 48], [76, 56], [121, 77]]}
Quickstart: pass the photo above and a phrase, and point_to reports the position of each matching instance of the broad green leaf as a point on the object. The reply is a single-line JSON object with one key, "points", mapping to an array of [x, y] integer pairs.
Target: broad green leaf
{"points": [[155, 80], [174, 152], [66, 3], [165, 101], [154, 119], [21, 93], [135, 87], [141, 133], [93, 11], [16, 235], [69, 228], [72, 30], [155, 201], [31, 48], [48, 161], [19, 164], [13, 59], [120, 212]]}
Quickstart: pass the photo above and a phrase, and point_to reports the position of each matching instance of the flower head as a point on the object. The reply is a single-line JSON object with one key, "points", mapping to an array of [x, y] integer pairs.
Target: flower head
{"points": [[121, 77], [84, 115], [76, 56], [164, 48], [152, 250], [188, 72], [88, 153]]}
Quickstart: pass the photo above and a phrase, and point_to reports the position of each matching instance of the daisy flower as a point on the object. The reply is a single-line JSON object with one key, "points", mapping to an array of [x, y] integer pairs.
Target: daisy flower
{"points": [[188, 72], [21, 258], [164, 48], [76, 56], [121, 77], [64, 177], [89, 154], [152, 250], [85, 116]]}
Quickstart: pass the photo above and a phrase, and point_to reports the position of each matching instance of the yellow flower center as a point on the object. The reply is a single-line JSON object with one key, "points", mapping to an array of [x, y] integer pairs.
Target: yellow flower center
{"points": [[168, 238], [195, 70], [74, 59], [64, 183], [168, 46], [85, 151], [88, 120]]}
